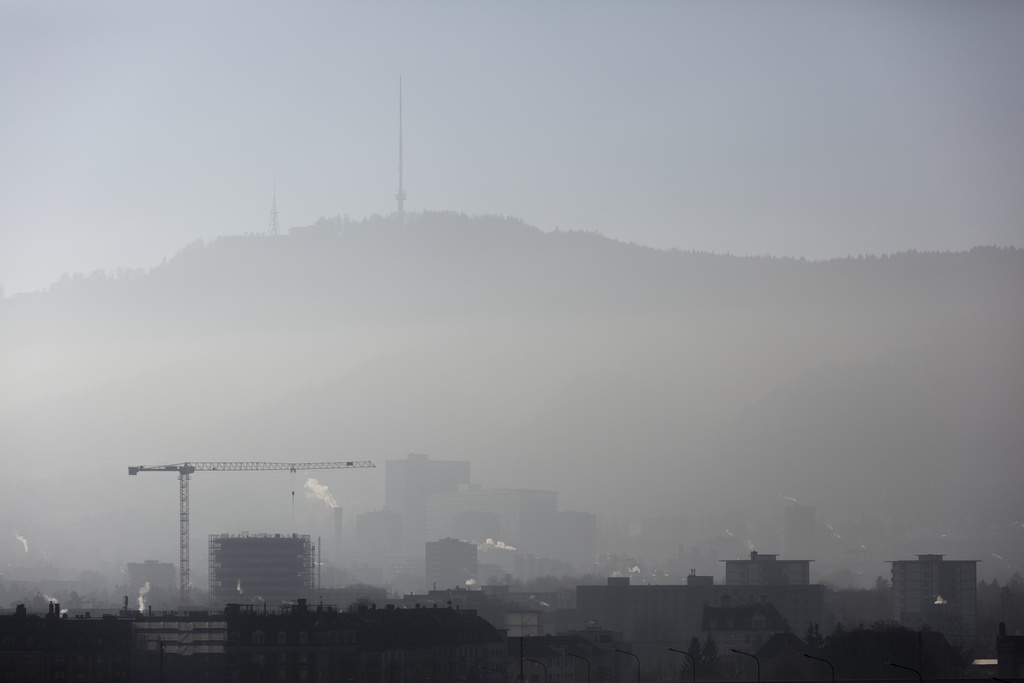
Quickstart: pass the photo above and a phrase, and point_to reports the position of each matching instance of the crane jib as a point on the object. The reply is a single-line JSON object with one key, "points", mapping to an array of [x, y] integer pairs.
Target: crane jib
{"points": [[184, 469]]}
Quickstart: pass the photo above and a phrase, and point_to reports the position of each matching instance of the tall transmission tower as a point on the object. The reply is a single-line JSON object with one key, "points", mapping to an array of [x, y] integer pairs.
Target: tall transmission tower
{"points": [[400, 195], [274, 228]]}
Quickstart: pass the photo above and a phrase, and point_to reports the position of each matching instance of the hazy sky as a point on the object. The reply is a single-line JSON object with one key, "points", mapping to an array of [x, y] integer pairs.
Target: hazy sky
{"points": [[128, 130]]}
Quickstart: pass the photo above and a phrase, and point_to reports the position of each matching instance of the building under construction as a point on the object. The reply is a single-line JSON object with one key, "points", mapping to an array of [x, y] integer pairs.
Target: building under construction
{"points": [[270, 569]]}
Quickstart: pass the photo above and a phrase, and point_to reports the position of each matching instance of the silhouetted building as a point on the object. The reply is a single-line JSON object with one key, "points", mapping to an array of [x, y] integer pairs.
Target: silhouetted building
{"points": [[407, 485], [942, 594], [379, 530], [798, 530], [384, 645], [269, 569], [675, 612], [746, 627], [51, 648], [576, 539], [767, 570], [528, 517], [451, 563], [338, 529], [1010, 654]]}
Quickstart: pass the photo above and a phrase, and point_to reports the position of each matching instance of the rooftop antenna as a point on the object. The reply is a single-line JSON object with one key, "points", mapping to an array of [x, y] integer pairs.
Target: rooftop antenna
{"points": [[274, 228], [400, 195]]}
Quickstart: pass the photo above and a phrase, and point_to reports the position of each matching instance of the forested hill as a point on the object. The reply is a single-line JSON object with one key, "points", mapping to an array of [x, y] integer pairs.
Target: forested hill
{"points": [[451, 265], [624, 377]]}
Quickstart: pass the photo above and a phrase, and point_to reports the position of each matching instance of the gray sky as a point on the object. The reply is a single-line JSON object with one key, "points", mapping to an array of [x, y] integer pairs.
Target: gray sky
{"points": [[128, 130]]}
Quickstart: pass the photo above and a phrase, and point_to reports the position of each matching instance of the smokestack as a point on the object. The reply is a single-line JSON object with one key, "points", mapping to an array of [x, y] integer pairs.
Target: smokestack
{"points": [[337, 535]]}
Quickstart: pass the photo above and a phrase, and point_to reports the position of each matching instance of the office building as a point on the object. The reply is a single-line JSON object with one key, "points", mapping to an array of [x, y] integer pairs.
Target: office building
{"points": [[938, 593]]}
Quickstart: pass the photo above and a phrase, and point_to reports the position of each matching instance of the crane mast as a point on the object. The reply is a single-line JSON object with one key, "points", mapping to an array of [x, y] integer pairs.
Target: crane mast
{"points": [[186, 469]]}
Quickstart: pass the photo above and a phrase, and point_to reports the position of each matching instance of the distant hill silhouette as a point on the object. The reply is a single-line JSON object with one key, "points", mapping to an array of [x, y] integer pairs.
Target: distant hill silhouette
{"points": [[626, 378]]}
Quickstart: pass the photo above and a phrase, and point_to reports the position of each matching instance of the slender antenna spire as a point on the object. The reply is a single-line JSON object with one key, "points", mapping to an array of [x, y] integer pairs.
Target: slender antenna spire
{"points": [[400, 196], [274, 227]]}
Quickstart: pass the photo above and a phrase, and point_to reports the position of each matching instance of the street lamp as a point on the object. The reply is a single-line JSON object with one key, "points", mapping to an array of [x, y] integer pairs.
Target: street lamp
{"points": [[637, 662], [584, 659], [747, 654], [907, 668], [491, 668], [819, 659], [693, 662], [541, 666]]}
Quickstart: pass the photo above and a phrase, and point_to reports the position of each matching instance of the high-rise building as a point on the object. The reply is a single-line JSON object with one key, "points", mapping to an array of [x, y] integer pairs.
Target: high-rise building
{"points": [[576, 539], [408, 483], [338, 528], [270, 569], [450, 563], [942, 594], [798, 531]]}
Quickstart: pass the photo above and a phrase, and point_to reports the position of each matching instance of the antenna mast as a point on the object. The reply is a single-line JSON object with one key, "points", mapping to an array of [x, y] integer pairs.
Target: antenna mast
{"points": [[274, 227], [400, 195]]}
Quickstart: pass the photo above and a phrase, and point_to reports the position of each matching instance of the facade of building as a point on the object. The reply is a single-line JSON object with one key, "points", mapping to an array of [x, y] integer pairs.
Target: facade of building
{"points": [[266, 569], [767, 570], [939, 593], [675, 611], [451, 563], [407, 485], [746, 628], [54, 648], [250, 643]]}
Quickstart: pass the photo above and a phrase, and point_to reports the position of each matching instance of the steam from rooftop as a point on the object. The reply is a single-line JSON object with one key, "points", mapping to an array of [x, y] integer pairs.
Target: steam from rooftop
{"points": [[142, 593]]}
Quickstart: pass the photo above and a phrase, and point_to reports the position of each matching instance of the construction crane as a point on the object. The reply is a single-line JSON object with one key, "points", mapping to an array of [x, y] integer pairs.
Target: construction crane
{"points": [[186, 469]]}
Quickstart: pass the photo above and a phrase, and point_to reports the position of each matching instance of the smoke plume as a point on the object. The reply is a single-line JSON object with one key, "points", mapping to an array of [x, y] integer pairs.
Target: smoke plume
{"points": [[142, 592], [320, 492]]}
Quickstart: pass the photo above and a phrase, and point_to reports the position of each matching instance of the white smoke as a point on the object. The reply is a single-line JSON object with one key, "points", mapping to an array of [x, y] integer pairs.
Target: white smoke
{"points": [[790, 499], [491, 543], [634, 570], [55, 602], [142, 592], [470, 582], [238, 586], [320, 492], [24, 541], [939, 600]]}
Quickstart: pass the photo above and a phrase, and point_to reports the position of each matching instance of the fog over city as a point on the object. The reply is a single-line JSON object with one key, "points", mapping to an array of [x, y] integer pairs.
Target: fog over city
{"points": [[684, 264]]}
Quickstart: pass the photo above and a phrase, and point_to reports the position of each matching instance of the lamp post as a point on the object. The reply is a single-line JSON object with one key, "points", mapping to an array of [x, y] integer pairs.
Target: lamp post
{"points": [[819, 659], [693, 662], [497, 671], [907, 668], [542, 665], [584, 659], [756, 660], [637, 662]]}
